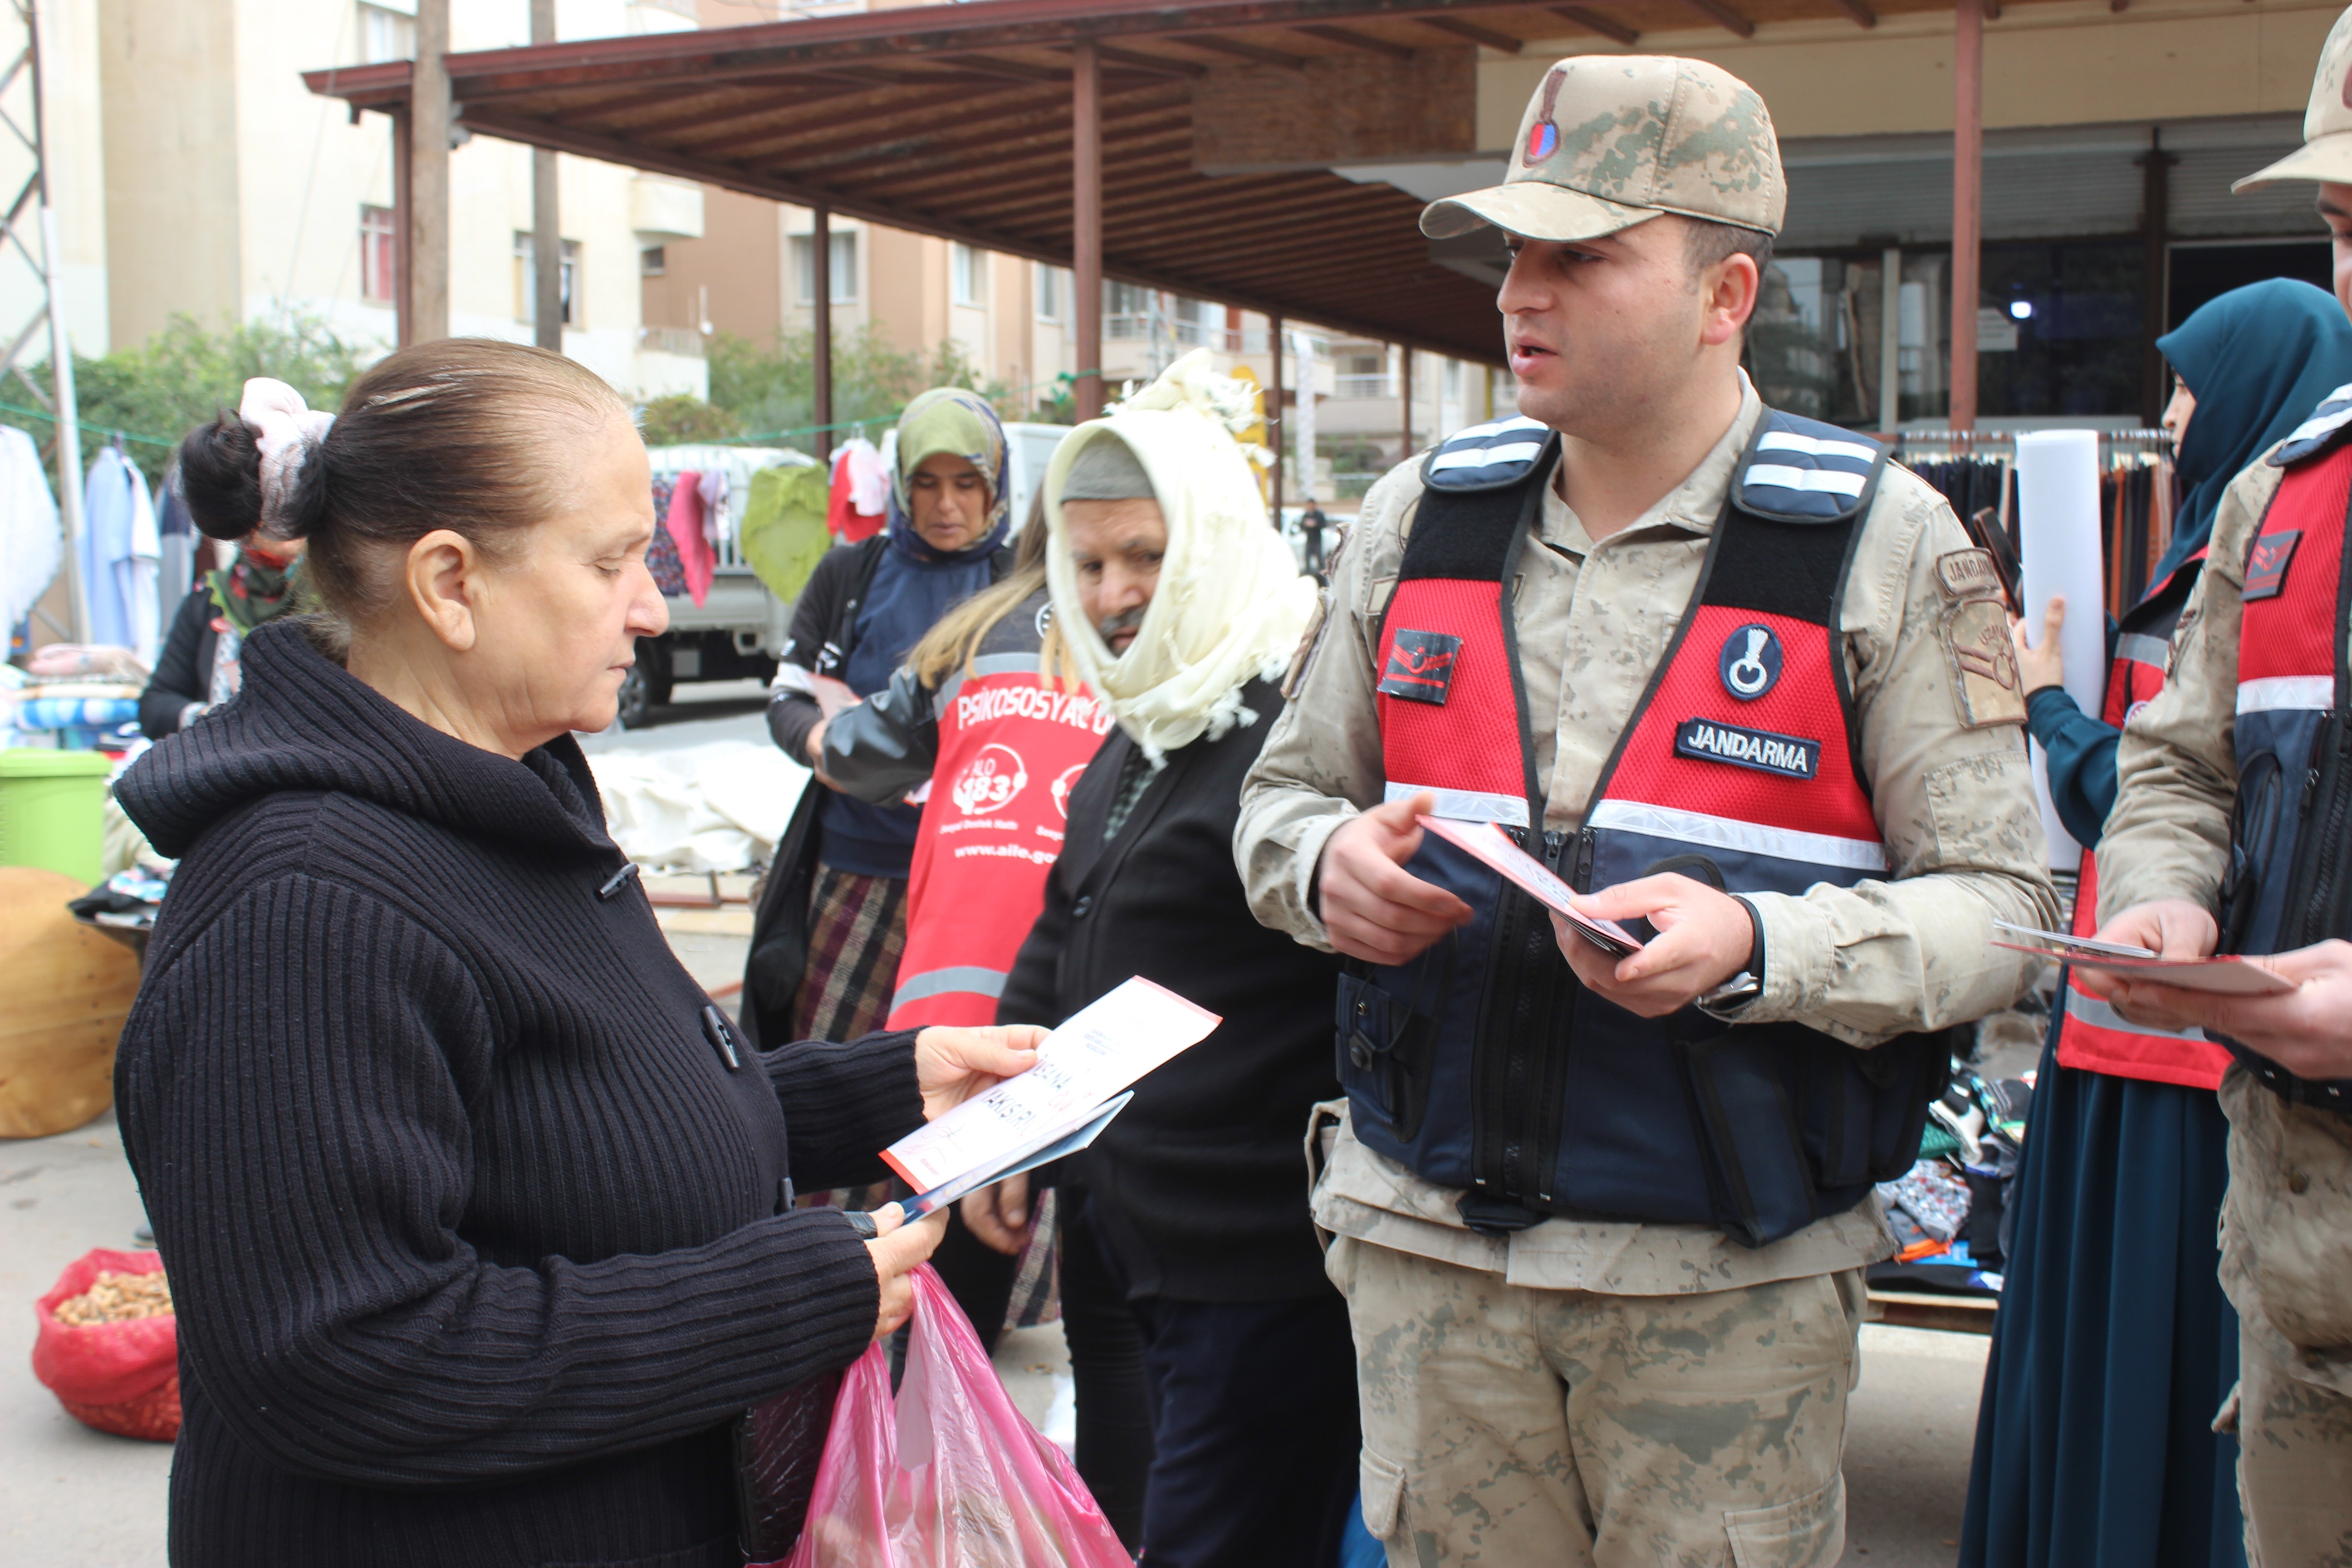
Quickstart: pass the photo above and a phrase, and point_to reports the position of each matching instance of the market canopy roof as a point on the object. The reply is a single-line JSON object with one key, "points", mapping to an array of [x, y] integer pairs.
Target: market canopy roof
{"points": [[1220, 122]]}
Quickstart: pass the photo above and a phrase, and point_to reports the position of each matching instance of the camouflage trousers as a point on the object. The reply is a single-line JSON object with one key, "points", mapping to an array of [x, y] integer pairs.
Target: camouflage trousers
{"points": [[1520, 1428], [2295, 1463]]}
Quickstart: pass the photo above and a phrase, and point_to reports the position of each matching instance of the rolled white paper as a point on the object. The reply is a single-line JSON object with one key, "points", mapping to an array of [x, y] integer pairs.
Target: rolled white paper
{"points": [[2059, 540]]}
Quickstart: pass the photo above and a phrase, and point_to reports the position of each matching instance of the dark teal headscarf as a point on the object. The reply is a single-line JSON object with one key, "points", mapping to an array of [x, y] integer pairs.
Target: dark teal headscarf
{"points": [[2259, 360]]}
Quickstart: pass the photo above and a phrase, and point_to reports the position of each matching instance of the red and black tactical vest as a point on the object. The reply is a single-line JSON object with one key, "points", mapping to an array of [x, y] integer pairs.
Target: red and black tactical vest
{"points": [[1484, 1064], [2092, 1034], [2290, 878]]}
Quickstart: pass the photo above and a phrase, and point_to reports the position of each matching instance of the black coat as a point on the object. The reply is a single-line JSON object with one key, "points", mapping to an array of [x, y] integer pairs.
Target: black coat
{"points": [[183, 670], [475, 1241], [823, 631], [1200, 1185]]}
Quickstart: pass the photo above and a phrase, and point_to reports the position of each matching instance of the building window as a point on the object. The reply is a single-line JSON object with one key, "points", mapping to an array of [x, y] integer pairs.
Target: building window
{"points": [[378, 254], [1053, 290], [967, 271], [843, 284], [385, 35], [652, 261], [527, 284]]}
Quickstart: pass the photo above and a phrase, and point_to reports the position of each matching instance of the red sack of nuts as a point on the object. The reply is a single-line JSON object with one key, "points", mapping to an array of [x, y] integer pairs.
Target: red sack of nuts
{"points": [[109, 1347]]}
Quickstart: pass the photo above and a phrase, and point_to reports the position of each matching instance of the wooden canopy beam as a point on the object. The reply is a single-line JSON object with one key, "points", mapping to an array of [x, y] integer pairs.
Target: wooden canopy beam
{"points": [[1258, 54], [1723, 15], [1486, 36], [1349, 38], [1594, 22]]}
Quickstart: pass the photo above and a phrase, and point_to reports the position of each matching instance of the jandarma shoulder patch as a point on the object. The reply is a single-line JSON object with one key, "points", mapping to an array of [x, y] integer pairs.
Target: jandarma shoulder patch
{"points": [[1986, 686]]}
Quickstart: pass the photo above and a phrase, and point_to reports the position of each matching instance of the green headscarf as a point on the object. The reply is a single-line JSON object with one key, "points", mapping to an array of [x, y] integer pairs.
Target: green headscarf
{"points": [[958, 422]]}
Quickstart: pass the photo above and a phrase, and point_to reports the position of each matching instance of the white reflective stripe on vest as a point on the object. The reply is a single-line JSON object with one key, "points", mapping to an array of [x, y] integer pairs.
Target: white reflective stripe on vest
{"points": [[1482, 456], [2141, 648], [986, 665], [1779, 475], [1815, 446], [1728, 833], [2086, 1008], [2274, 692], [966, 977], [1463, 804]]}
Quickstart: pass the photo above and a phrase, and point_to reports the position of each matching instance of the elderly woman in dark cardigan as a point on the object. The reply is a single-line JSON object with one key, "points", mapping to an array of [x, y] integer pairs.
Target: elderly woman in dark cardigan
{"points": [[478, 1214]]}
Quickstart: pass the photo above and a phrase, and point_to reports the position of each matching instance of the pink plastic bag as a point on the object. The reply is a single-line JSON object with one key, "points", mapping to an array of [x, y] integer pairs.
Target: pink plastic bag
{"points": [[950, 1478]]}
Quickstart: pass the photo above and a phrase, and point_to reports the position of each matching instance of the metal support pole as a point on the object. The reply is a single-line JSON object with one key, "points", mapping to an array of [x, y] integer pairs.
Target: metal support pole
{"points": [[403, 239], [1404, 386], [821, 321], [428, 176], [1274, 420], [1086, 221], [1890, 340], [2155, 202], [546, 225], [61, 369], [1967, 204]]}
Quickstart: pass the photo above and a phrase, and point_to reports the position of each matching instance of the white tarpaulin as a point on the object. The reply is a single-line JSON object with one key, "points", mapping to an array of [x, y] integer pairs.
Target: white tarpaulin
{"points": [[713, 807]]}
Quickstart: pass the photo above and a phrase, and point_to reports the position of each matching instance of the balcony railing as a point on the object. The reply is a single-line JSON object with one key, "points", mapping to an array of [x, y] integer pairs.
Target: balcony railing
{"points": [[1376, 385], [684, 341]]}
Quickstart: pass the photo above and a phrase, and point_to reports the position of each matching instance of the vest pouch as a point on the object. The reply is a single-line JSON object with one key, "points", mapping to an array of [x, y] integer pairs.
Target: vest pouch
{"points": [[1761, 1176], [1864, 1110], [1386, 1050]]}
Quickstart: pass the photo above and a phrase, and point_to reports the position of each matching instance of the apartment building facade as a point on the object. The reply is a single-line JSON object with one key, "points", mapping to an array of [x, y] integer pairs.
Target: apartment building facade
{"points": [[195, 176]]}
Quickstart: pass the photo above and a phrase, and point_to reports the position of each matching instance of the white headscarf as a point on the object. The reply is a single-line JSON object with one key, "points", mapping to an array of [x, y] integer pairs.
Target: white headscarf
{"points": [[1231, 605]]}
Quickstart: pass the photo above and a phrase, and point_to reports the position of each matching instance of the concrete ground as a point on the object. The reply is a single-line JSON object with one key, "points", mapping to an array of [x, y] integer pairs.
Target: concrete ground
{"points": [[73, 1498]]}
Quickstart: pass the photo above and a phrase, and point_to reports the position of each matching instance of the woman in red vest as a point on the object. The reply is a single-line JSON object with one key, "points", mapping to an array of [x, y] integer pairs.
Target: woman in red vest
{"points": [[2114, 1345], [985, 725]]}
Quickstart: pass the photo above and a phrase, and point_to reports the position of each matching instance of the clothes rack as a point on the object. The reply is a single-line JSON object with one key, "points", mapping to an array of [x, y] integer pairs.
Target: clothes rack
{"points": [[2139, 493]]}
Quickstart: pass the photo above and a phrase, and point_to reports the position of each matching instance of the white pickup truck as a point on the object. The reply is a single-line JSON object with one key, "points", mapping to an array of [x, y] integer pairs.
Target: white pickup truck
{"points": [[739, 628]]}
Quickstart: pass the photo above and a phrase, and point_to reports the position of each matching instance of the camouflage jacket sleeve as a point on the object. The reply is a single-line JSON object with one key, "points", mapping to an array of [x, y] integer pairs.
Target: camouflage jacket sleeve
{"points": [[1942, 740], [1321, 764], [2176, 765]]}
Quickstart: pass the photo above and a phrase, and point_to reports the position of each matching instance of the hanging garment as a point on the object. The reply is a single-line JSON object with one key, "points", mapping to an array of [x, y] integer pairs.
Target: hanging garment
{"points": [[717, 523], [181, 542], [684, 527], [783, 533], [120, 551], [869, 478], [31, 547], [661, 555], [858, 499]]}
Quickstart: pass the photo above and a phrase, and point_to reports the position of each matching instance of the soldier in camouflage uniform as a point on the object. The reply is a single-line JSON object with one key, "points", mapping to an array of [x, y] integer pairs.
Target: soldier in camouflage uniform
{"points": [[1587, 1388], [2177, 827]]}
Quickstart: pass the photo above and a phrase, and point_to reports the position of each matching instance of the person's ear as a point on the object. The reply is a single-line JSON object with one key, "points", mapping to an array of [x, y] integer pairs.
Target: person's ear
{"points": [[444, 579], [1728, 293]]}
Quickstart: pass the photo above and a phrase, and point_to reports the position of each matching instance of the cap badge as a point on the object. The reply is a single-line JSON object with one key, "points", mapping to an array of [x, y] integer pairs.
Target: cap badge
{"points": [[1543, 136]]}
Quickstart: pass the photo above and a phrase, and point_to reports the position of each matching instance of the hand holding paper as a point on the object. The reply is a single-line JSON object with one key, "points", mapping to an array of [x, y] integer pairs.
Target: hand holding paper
{"points": [[1060, 1103], [951, 1065], [1490, 845], [2175, 956]]}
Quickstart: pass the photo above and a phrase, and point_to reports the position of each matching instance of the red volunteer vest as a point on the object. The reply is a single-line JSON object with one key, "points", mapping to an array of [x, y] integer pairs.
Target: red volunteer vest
{"points": [[1011, 750], [2093, 1036]]}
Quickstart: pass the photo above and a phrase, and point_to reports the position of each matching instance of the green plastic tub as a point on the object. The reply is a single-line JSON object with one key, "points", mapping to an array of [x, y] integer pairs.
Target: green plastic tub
{"points": [[52, 810]]}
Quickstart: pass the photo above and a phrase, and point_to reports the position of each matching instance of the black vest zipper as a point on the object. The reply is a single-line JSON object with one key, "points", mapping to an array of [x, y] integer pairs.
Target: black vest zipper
{"points": [[2316, 911]]}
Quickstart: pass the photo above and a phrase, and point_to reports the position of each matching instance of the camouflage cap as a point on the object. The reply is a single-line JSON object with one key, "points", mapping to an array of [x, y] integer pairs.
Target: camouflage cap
{"points": [[1611, 141], [2326, 150]]}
